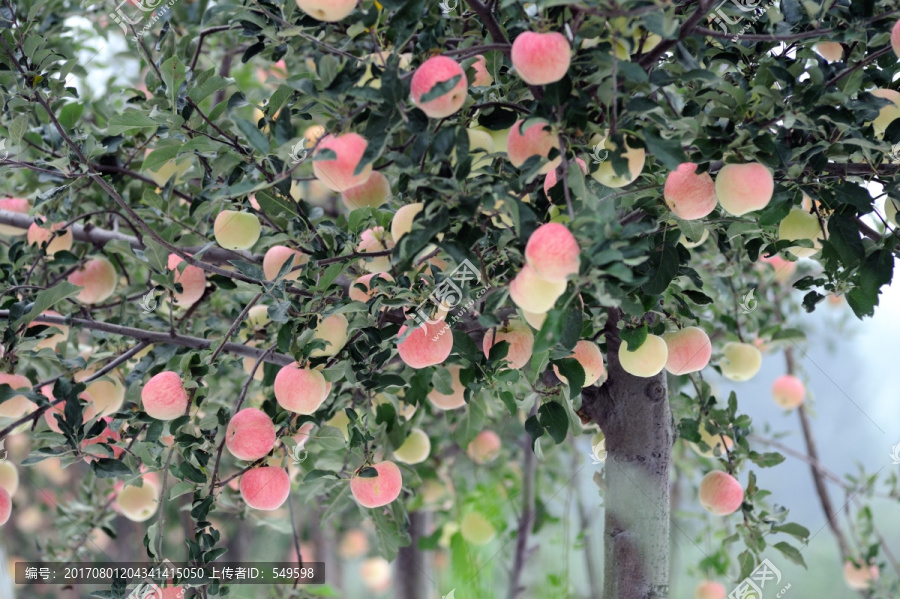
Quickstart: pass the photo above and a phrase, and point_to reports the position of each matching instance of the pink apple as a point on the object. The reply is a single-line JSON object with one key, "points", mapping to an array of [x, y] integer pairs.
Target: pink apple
{"points": [[541, 58], [435, 71]]}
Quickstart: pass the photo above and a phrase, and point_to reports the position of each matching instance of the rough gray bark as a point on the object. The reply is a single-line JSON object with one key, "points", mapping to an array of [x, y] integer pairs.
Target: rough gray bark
{"points": [[634, 414], [410, 564]]}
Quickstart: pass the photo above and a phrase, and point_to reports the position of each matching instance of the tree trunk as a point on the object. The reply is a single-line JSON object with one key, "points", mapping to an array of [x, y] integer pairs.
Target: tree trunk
{"points": [[634, 414], [410, 564]]}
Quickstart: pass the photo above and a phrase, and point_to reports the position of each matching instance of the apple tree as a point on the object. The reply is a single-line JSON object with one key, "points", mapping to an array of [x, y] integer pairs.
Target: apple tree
{"points": [[387, 268]]}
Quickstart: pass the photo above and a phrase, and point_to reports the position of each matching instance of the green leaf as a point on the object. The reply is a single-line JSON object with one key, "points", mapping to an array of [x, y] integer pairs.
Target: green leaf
{"points": [[109, 468], [329, 438], [554, 420], [256, 137], [572, 370], [159, 157], [790, 552], [766, 460], [634, 337], [70, 114], [663, 268], [439, 89], [156, 255], [844, 235], [47, 298], [173, 74], [192, 473], [130, 120], [667, 151], [793, 529], [208, 86], [534, 429]]}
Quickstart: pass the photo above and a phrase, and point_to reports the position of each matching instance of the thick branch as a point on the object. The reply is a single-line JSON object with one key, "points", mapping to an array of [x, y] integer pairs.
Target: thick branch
{"points": [[101, 237], [158, 337]]}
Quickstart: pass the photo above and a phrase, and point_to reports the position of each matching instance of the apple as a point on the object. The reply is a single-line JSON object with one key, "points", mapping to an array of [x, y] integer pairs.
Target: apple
{"points": [[275, 258], [402, 222], [5, 506], [332, 330], [373, 240], [895, 38], [358, 295], [375, 574], [425, 346], [606, 174], [192, 280], [830, 51], [235, 230], [20, 205], [250, 435], [138, 504], [379, 490], [551, 179], [164, 396], [88, 409], [533, 293], [476, 529], [784, 269], [714, 442], [743, 188], [710, 590], [415, 449], [329, 11], [539, 139], [535, 319], [689, 350], [300, 390], [98, 277], [175, 167], [553, 253], [720, 493], [380, 59], [354, 544], [541, 58], [339, 173], [40, 235], [520, 339], [886, 114], [860, 577], [372, 193], [740, 361], [9, 477], [890, 211], [690, 195], [51, 341], [588, 355], [19, 405], [438, 71], [258, 316], [788, 391], [482, 75], [265, 488], [647, 360], [485, 447], [450, 402], [800, 224]]}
